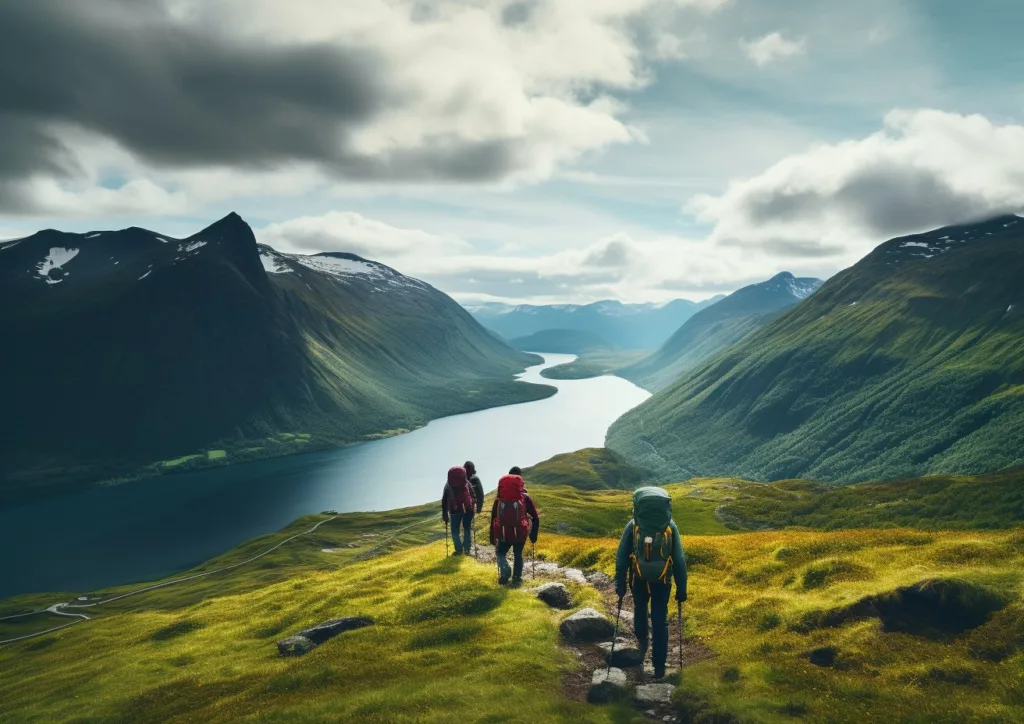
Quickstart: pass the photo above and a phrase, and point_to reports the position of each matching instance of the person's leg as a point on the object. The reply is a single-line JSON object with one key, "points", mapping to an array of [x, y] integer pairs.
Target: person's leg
{"points": [[517, 549], [456, 530], [659, 625], [504, 571], [641, 599], [467, 533]]}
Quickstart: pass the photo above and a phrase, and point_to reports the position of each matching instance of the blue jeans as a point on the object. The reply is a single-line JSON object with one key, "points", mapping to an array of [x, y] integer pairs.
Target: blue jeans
{"points": [[465, 522]]}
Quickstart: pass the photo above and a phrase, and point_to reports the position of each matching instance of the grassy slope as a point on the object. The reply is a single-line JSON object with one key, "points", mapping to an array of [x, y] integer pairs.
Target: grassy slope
{"points": [[595, 364], [892, 369], [204, 652]]}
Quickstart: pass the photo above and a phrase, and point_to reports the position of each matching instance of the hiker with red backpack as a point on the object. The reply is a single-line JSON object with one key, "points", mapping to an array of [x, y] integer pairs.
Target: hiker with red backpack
{"points": [[457, 505], [649, 558], [514, 518]]}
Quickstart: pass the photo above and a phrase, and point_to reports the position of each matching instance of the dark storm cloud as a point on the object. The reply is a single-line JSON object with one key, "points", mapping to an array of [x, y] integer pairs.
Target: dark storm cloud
{"points": [[179, 95], [887, 198]]}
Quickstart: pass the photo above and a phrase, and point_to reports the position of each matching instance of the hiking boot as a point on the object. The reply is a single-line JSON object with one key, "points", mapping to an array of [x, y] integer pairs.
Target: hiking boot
{"points": [[516, 582], [659, 673], [502, 580]]}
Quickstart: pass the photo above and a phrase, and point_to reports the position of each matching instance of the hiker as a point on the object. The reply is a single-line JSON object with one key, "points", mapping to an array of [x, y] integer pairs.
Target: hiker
{"points": [[478, 487], [457, 505], [514, 518], [651, 555]]}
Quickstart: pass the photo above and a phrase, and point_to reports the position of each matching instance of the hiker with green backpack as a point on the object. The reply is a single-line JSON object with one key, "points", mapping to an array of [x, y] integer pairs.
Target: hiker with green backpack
{"points": [[650, 556]]}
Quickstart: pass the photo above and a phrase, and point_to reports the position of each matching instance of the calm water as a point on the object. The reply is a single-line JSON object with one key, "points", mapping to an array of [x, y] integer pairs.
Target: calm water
{"points": [[153, 528]]}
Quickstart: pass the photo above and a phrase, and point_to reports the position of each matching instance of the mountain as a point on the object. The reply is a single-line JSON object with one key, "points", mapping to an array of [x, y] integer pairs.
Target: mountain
{"points": [[562, 341], [630, 326], [909, 363], [724, 323], [127, 348]]}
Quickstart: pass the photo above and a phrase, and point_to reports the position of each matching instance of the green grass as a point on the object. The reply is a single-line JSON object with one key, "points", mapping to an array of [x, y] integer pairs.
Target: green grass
{"points": [[216, 454], [763, 607], [179, 461]]}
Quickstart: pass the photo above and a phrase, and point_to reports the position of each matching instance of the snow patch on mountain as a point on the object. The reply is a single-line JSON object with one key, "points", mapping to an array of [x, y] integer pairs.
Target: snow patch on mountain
{"points": [[341, 267], [94, 235], [56, 259], [192, 246], [274, 264]]}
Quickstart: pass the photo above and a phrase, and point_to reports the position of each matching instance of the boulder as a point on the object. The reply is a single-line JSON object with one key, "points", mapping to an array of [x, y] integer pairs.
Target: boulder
{"points": [[555, 595], [606, 685], [329, 629], [575, 575], [587, 626], [295, 646], [601, 581], [654, 694], [626, 653]]}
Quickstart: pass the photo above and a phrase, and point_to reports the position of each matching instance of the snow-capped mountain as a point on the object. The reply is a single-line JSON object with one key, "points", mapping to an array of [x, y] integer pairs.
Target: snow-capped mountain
{"points": [[124, 348]]}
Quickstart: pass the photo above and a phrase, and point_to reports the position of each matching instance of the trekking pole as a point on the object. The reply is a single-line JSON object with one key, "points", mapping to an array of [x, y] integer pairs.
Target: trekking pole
{"points": [[533, 558], [475, 556], [611, 656], [679, 608], [446, 539]]}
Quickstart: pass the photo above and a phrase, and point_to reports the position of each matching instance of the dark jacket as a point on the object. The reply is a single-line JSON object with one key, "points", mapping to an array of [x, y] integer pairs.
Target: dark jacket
{"points": [[531, 510], [477, 489], [622, 561]]}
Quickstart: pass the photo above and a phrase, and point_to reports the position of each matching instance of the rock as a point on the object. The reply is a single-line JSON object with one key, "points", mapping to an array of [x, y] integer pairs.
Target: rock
{"points": [[654, 694], [555, 595], [548, 568], [329, 629], [606, 685], [587, 626], [574, 574], [825, 656], [601, 581], [625, 656], [295, 646]]}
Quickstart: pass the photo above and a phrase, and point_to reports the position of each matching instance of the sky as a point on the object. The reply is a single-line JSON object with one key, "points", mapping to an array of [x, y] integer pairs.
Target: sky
{"points": [[540, 151]]}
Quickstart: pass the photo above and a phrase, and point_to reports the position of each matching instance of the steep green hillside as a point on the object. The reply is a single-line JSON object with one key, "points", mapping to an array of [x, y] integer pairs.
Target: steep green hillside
{"points": [[128, 352], [909, 363], [852, 626], [721, 325], [562, 341]]}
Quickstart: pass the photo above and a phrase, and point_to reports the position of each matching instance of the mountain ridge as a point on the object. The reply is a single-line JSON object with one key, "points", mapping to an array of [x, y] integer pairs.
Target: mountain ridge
{"points": [[909, 363], [131, 348]]}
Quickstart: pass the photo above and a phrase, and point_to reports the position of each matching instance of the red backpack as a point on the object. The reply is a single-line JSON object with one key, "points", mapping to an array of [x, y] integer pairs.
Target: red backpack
{"points": [[511, 524], [460, 498]]}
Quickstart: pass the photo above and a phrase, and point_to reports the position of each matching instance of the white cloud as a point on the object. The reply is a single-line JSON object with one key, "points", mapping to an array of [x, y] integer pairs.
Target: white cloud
{"points": [[771, 47], [922, 170], [357, 234]]}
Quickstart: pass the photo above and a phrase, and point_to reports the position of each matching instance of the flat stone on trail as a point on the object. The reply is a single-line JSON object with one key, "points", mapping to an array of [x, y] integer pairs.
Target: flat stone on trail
{"points": [[626, 653], [606, 685], [587, 626], [654, 694], [574, 574], [555, 595], [295, 646]]}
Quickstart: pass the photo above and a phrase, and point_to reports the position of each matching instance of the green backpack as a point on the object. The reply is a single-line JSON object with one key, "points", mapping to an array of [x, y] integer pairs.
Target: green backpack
{"points": [[652, 537]]}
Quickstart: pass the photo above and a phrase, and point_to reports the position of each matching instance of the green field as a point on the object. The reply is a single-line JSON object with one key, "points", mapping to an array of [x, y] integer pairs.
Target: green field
{"points": [[795, 624]]}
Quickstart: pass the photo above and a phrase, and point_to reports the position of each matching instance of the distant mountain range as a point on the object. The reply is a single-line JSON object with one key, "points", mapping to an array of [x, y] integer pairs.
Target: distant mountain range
{"points": [[715, 328], [128, 350], [562, 341], [629, 326], [909, 363]]}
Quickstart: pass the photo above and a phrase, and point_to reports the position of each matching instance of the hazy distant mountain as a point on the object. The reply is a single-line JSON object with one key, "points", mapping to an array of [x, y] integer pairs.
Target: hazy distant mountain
{"points": [[562, 341], [123, 348], [715, 328], [630, 326], [909, 363]]}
